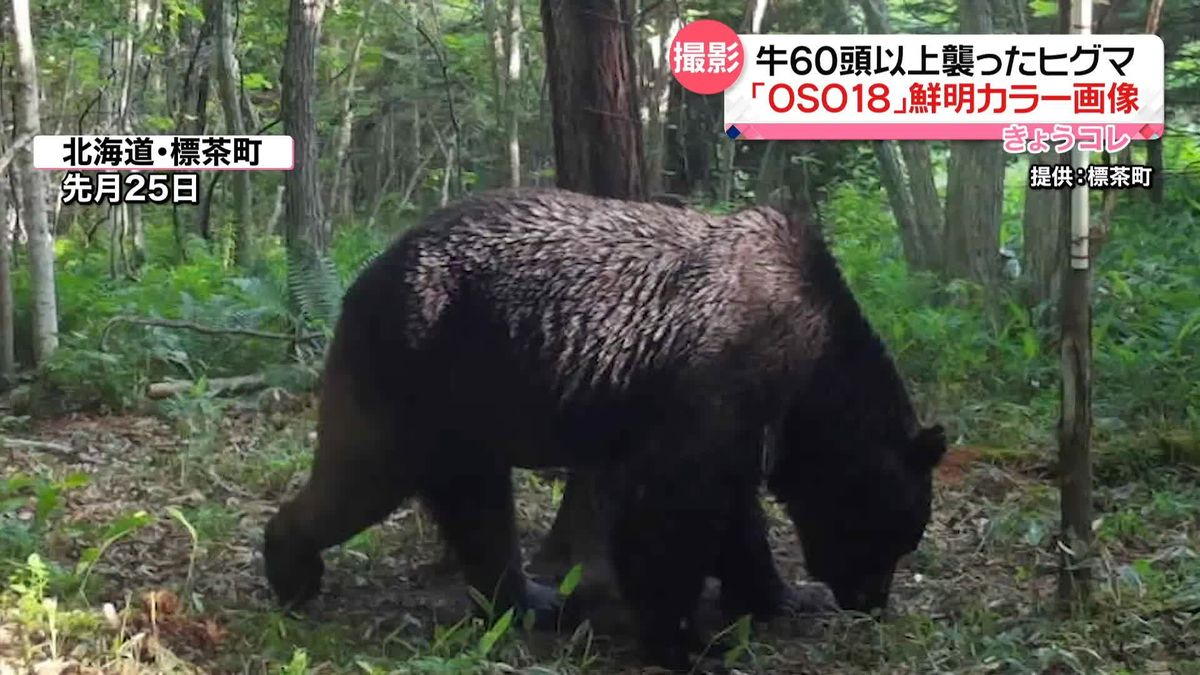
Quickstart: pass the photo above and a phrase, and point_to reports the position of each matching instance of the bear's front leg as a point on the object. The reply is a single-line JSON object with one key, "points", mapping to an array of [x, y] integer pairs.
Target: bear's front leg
{"points": [[750, 581]]}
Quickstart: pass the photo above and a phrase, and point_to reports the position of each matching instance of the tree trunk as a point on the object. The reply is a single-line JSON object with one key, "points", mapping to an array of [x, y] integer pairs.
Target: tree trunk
{"points": [[338, 202], [598, 150], [496, 55], [895, 184], [8, 359], [37, 224], [229, 80], [1075, 416], [975, 186], [138, 16], [1044, 224], [908, 180], [1074, 437], [305, 228], [974, 200], [1154, 147], [658, 100], [512, 90], [593, 93]]}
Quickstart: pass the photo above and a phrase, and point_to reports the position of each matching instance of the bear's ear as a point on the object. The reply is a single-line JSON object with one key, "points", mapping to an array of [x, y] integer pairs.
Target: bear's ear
{"points": [[928, 447]]}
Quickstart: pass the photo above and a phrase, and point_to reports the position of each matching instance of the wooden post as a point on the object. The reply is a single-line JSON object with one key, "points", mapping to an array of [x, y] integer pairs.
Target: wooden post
{"points": [[1075, 421]]}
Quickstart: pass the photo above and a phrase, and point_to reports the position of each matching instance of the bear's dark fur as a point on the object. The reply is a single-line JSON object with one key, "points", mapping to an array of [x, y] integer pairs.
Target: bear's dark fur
{"points": [[657, 344]]}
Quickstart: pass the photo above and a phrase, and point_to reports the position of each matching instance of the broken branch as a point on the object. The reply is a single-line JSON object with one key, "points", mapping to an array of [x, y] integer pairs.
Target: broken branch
{"points": [[201, 328]]}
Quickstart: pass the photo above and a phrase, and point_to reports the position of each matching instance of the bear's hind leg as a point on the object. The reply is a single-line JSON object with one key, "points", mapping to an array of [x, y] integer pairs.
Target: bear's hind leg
{"points": [[663, 548], [341, 499], [361, 472], [473, 508]]}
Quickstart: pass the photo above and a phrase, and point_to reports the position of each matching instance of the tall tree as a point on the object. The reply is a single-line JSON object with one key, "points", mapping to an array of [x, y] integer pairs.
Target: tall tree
{"points": [[598, 150], [657, 79], [512, 89], [1075, 393], [340, 188], [8, 359], [229, 80], [975, 185], [1044, 222], [1154, 147], [306, 230], [593, 93], [906, 171], [35, 216], [191, 104]]}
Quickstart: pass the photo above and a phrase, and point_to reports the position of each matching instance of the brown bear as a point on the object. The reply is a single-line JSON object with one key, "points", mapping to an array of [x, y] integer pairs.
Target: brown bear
{"points": [[653, 343]]}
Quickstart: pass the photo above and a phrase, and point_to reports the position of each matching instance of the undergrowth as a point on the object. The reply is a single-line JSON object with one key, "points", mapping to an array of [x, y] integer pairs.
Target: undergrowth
{"points": [[980, 590]]}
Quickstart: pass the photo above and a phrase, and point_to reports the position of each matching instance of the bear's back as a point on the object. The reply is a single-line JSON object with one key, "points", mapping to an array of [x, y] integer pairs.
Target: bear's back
{"points": [[594, 292]]}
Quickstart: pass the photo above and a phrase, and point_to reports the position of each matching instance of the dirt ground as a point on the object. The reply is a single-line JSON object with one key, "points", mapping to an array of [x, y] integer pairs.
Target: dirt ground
{"points": [[186, 575]]}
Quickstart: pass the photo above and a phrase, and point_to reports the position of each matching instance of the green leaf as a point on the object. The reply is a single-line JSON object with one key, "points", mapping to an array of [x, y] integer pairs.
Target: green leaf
{"points": [[488, 641], [1029, 344], [571, 581], [256, 82]]}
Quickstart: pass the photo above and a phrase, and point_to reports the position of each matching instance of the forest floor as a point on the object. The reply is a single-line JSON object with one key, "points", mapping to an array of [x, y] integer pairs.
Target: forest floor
{"points": [[130, 544]]}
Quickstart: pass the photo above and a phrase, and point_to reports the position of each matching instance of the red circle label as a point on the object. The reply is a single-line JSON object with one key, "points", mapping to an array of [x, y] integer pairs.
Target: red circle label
{"points": [[706, 57]]}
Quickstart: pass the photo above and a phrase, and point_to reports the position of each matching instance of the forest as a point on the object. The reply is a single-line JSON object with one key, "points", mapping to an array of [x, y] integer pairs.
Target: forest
{"points": [[159, 363]]}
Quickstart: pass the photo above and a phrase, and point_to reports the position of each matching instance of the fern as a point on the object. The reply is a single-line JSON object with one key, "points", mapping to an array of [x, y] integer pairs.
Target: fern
{"points": [[314, 288]]}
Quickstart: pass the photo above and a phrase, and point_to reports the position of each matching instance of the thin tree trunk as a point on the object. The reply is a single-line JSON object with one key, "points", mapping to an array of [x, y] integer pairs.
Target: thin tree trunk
{"points": [[229, 80], [975, 186], [307, 232], [122, 260], [192, 111], [1154, 147], [658, 100], [453, 182], [8, 359], [276, 211], [41, 243], [1044, 225], [908, 180], [1075, 416], [138, 15], [345, 131], [512, 87], [1074, 437], [496, 55], [770, 173], [895, 185], [68, 89]]}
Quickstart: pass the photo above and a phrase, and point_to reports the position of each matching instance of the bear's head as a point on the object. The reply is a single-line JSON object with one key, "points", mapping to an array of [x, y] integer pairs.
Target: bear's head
{"points": [[858, 512]]}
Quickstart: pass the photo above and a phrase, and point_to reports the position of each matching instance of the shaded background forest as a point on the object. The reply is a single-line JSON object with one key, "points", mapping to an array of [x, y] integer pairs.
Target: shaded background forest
{"points": [[146, 441]]}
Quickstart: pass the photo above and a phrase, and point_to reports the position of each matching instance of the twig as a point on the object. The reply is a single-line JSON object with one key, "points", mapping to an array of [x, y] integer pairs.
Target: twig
{"points": [[445, 78], [240, 383], [37, 445], [200, 328]]}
